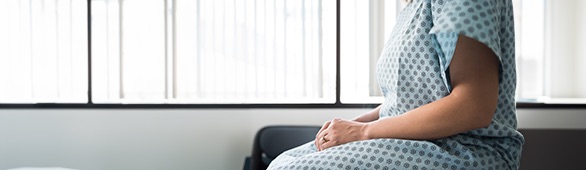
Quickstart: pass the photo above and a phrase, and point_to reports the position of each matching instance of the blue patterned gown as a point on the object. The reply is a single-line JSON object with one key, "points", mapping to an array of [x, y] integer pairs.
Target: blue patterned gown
{"points": [[412, 71]]}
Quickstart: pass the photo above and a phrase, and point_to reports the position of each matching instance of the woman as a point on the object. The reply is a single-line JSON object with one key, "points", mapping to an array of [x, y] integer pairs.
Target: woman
{"points": [[448, 77]]}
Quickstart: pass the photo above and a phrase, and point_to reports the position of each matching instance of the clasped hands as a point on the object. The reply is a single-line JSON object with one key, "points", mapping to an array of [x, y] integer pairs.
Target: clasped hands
{"points": [[339, 131]]}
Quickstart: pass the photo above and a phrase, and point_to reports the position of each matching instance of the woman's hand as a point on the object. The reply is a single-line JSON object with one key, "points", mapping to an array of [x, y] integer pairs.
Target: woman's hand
{"points": [[339, 131]]}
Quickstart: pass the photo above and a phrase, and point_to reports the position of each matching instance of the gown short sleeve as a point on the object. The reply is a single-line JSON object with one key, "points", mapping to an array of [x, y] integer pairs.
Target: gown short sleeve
{"points": [[479, 20]]}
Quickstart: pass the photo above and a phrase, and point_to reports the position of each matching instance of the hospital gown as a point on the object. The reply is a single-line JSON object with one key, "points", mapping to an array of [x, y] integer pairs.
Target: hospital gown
{"points": [[413, 71]]}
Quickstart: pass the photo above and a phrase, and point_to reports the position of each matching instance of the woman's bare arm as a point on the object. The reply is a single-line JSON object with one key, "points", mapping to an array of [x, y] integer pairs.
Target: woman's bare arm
{"points": [[471, 104]]}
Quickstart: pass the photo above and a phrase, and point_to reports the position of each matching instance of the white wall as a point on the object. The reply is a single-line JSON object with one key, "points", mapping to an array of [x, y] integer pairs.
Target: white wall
{"points": [[173, 139]]}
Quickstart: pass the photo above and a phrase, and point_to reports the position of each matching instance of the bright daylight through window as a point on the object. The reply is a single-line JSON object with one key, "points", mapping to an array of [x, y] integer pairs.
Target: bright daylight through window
{"points": [[214, 51], [43, 51], [246, 51]]}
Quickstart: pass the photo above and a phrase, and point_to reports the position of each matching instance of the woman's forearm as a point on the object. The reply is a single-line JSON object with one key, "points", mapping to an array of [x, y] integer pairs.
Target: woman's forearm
{"points": [[443, 118], [369, 116]]}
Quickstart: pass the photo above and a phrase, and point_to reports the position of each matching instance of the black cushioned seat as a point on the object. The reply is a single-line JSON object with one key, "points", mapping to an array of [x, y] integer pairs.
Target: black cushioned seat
{"points": [[271, 141]]}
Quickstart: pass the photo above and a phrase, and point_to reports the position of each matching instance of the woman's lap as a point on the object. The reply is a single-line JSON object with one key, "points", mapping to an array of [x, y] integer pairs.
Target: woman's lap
{"points": [[389, 154]]}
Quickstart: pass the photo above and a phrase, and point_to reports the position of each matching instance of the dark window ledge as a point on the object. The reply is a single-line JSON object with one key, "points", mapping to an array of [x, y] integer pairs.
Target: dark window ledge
{"points": [[535, 105], [521, 105], [181, 106]]}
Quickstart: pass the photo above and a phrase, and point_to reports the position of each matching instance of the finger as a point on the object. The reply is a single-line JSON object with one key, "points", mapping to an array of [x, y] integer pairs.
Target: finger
{"points": [[324, 144], [317, 142], [325, 126], [319, 135], [329, 143], [320, 140]]}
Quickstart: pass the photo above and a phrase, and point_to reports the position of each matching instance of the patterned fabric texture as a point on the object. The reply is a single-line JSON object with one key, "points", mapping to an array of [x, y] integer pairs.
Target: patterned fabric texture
{"points": [[413, 71]]}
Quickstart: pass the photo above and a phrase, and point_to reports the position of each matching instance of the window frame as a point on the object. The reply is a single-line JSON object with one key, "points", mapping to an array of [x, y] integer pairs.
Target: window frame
{"points": [[338, 104]]}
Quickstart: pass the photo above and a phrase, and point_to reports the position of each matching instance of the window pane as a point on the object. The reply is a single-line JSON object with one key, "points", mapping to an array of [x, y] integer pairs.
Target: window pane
{"points": [[214, 51], [43, 51], [530, 48], [564, 59], [549, 60], [364, 27]]}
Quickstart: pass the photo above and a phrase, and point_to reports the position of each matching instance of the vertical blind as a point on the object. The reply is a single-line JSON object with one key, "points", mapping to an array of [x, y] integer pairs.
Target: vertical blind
{"points": [[213, 51], [43, 51]]}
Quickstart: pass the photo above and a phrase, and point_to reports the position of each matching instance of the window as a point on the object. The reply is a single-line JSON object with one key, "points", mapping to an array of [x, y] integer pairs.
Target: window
{"points": [[214, 51], [43, 51], [550, 51], [247, 51]]}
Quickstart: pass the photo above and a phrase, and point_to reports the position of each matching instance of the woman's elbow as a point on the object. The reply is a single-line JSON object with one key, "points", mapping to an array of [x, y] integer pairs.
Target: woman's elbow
{"points": [[476, 111], [485, 121], [483, 117]]}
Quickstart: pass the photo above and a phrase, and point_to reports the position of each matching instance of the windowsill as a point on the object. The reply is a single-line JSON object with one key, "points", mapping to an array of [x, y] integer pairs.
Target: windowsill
{"points": [[521, 105], [564, 100], [184, 106], [545, 102], [542, 105]]}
